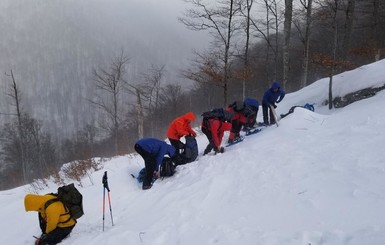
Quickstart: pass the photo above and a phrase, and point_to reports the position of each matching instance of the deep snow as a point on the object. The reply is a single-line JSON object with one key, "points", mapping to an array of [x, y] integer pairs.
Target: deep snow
{"points": [[318, 178]]}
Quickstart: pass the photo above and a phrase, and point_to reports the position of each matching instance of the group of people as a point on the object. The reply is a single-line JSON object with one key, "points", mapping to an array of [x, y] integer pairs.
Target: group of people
{"points": [[55, 221], [238, 115]]}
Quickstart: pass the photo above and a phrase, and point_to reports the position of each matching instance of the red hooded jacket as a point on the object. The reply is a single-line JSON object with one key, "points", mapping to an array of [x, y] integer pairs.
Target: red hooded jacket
{"points": [[217, 129], [181, 126]]}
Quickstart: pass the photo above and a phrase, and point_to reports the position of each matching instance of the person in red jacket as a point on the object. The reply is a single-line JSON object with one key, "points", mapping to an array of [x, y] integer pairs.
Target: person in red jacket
{"points": [[237, 121], [214, 129], [180, 127]]}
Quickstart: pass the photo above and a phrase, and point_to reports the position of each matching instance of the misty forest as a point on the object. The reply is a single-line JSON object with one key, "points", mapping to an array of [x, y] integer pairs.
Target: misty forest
{"points": [[86, 79]]}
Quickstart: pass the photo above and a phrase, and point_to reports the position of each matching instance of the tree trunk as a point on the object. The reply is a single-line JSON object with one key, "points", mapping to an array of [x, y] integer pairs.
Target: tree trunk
{"points": [[140, 116], [286, 45], [305, 64], [16, 97], [226, 58], [332, 68], [348, 28]]}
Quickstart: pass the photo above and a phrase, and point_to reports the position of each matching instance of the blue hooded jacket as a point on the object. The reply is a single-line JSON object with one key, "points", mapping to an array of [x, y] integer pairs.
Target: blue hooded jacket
{"points": [[270, 97], [251, 102], [157, 149]]}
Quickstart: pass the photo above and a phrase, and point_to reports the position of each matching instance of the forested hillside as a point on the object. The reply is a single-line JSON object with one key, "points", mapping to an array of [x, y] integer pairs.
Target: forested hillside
{"points": [[88, 78]]}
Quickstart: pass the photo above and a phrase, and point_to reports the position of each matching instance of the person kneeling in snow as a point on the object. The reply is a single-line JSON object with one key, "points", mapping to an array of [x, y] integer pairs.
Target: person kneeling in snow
{"points": [[54, 219], [237, 121], [153, 150], [214, 129]]}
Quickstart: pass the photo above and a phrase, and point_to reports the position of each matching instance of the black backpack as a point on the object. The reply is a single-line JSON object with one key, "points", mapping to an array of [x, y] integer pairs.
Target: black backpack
{"points": [[218, 113], [190, 153], [71, 198], [167, 168]]}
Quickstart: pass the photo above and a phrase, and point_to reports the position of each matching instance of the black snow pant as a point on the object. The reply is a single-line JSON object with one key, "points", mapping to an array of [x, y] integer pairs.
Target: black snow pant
{"points": [[149, 163], [209, 136], [55, 236], [266, 110]]}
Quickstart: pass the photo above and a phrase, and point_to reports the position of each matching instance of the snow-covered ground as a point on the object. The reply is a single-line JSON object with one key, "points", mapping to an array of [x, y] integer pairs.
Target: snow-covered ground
{"points": [[318, 178]]}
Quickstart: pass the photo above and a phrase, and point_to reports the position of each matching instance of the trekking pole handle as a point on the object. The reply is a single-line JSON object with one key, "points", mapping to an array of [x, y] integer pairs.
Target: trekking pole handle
{"points": [[105, 181]]}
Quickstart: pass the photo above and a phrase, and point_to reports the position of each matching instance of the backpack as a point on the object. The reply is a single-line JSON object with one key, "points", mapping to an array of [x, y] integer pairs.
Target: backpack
{"points": [[167, 168], [218, 113], [141, 175], [71, 198], [309, 106], [190, 152]]}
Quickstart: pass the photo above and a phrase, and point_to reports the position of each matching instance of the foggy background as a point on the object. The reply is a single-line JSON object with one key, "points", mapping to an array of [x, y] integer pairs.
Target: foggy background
{"points": [[52, 47]]}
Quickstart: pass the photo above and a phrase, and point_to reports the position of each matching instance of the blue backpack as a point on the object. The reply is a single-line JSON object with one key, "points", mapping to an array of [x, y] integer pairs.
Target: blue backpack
{"points": [[190, 153], [309, 106]]}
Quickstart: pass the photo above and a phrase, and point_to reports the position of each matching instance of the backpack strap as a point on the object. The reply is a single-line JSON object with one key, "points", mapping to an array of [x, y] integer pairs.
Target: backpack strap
{"points": [[50, 201]]}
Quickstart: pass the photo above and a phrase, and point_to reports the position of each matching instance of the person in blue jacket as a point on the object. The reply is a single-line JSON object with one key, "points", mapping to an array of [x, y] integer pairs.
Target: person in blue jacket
{"points": [[153, 151], [251, 112], [271, 96]]}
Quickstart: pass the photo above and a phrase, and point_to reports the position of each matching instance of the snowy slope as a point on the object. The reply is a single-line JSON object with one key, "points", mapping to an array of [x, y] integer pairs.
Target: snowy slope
{"points": [[318, 178]]}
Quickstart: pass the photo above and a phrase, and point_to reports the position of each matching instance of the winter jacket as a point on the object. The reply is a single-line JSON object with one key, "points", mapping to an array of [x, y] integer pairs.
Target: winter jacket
{"points": [[181, 127], [157, 149], [238, 116], [217, 129], [270, 97], [56, 215], [251, 107]]}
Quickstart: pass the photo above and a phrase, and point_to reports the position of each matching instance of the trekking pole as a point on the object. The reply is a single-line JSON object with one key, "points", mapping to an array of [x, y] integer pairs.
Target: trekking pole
{"points": [[104, 198], [275, 115], [105, 185]]}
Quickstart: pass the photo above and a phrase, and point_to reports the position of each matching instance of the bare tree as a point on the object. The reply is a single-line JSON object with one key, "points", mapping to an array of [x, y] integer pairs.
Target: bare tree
{"points": [[170, 98], [265, 28], [305, 37], [218, 19], [348, 27], [16, 97], [151, 91], [333, 8], [245, 7], [111, 83], [25, 147], [286, 43]]}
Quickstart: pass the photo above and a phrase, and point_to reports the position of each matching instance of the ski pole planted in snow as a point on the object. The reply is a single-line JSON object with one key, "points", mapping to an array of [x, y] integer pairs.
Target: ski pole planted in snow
{"points": [[274, 114], [105, 186]]}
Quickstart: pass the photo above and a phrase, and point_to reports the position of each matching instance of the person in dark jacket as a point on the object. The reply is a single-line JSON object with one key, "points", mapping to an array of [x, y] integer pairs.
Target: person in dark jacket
{"points": [[55, 221], [214, 130], [251, 112], [271, 96], [153, 151], [237, 121]]}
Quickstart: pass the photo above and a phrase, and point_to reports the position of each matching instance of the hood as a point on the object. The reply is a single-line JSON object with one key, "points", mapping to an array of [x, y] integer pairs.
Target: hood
{"points": [[251, 102], [238, 106], [275, 85], [190, 116], [34, 202]]}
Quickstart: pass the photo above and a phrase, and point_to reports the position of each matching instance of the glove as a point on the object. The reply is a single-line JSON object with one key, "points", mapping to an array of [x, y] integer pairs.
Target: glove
{"points": [[156, 174], [219, 150], [39, 240]]}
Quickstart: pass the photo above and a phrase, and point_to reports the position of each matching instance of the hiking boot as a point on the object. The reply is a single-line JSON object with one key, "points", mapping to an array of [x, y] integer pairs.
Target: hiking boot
{"points": [[237, 139], [207, 151], [146, 185]]}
